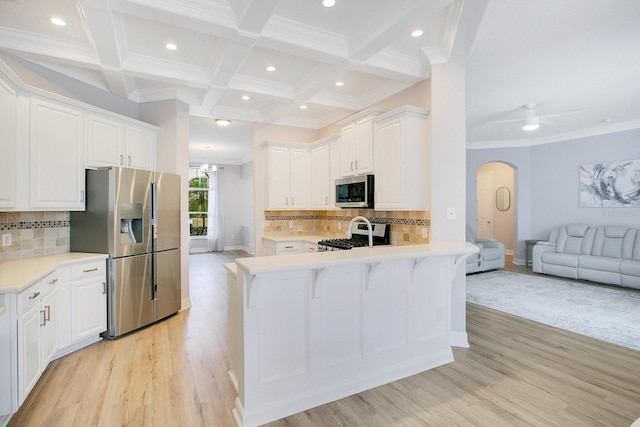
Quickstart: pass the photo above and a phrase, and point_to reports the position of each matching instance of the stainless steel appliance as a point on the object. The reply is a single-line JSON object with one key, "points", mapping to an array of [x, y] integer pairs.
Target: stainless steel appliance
{"points": [[355, 192], [134, 216], [359, 238]]}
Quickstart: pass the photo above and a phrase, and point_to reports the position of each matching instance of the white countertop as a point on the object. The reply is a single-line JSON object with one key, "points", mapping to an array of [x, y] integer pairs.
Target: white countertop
{"points": [[17, 274], [277, 263]]}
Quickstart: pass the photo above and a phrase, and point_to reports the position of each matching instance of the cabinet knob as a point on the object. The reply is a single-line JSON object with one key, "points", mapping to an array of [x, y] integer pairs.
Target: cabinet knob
{"points": [[121, 159], [104, 288]]}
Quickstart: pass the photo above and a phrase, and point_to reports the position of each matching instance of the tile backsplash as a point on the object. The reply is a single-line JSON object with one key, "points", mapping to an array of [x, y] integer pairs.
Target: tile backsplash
{"points": [[406, 226], [34, 234]]}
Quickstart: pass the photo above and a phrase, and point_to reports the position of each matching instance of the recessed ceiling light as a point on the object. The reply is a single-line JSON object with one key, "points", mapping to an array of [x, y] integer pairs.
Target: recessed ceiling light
{"points": [[339, 84], [270, 68], [328, 3], [57, 21], [303, 107], [246, 97], [222, 122], [417, 33], [171, 46]]}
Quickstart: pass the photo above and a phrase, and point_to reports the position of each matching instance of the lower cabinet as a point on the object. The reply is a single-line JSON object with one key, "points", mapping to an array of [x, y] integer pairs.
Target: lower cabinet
{"points": [[88, 300], [37, 332], [61, 313]]}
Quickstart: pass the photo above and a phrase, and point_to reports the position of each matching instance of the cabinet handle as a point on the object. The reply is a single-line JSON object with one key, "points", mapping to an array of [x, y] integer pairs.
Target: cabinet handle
{"points": [[326, 200], [356, 165], [121, 159], [35, 295], [44, 318], [286, 201], [82, 196], [292, 202], [48, 315], [53, 281], [129, 157], [351, 165], [89, 270], [288, 247], [104, 288]]}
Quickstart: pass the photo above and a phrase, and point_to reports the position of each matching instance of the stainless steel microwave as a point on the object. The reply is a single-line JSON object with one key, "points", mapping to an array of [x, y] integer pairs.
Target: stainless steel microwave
{"points": [[355, 192]]}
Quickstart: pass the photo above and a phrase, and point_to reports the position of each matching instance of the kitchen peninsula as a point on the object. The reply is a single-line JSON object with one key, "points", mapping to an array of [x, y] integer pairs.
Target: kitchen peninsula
{"points": [[310, 328]]}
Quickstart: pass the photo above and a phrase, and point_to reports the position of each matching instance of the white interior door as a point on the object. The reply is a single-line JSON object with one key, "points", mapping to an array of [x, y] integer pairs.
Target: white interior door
{"points": [[484, 205]]}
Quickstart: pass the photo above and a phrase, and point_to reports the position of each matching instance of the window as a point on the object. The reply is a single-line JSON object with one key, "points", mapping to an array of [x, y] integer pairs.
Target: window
{"points": [[198, 202]]}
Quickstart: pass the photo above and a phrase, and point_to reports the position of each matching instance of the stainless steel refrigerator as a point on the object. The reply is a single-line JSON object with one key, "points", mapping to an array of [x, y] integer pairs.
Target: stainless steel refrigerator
{"points": [[134, 216]]}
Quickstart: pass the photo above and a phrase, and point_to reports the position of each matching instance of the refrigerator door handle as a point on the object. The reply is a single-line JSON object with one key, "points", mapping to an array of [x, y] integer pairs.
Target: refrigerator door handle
{"points": [[154, 204]]}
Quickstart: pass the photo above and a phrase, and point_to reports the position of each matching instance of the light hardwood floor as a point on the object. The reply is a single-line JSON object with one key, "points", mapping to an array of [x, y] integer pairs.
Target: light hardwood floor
{"points": [[174, 373]]}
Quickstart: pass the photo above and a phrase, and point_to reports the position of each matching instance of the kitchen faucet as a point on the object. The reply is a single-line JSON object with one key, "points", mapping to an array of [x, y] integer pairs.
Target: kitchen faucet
{"points": [[361, 219]]}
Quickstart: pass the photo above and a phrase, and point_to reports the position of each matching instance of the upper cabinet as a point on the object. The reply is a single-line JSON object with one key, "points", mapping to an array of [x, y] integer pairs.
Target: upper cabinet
{"points": [[402, 152], [356, 137], [112, 142], [325, 169], [56, 153], [47, 141], [288, 176], [8, 143]]}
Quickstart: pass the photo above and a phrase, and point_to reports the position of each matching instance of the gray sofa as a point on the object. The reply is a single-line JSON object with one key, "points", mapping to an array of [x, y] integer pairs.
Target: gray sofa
{"points": [[607, 254], [490, 256]]}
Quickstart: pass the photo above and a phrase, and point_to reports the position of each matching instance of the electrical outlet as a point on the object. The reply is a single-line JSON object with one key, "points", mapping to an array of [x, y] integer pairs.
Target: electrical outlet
{"points": [[425, 233], [6, 240], [290, 224], [451, 213]]}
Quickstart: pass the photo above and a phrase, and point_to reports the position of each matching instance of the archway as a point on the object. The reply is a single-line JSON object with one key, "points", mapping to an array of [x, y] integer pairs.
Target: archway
{"points": [[496, 210]]}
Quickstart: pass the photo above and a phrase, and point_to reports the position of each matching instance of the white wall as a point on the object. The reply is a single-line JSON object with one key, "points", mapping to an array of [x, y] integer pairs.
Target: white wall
{"points": [[237, 195]]}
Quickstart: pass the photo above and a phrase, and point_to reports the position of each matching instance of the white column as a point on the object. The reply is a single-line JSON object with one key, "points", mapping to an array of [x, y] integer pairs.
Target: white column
{"points": [[448, 177]]}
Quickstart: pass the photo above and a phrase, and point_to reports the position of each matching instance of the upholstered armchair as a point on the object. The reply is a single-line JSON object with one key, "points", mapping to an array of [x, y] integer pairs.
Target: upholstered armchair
{"points": [[490, 257]]}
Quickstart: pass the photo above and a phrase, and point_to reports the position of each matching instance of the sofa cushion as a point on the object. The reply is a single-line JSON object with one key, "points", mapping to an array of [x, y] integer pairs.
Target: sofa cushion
{"points": [[491, 254], [635, 248], [609, 240], [575, 239], [599, 263], [630, 268], [566, 260]]}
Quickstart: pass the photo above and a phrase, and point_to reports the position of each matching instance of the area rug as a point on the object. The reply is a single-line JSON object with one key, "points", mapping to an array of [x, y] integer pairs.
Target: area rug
{"points": [[607, 313]]}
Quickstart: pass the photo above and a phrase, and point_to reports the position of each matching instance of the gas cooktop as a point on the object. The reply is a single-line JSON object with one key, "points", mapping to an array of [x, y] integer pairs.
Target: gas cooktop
{"points": [[360, 238]]}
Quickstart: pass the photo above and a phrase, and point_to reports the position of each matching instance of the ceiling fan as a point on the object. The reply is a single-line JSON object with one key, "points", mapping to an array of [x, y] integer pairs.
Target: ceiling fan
{"points": [[531, 120]]}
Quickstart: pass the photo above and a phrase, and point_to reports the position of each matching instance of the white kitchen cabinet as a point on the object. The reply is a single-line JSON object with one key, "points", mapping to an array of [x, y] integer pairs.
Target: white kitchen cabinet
{"points": [[288, 176], [356, 137], [402, 160], [8, 143], [88, 300], [37, 308], [325, 169], [56, 153], [113, 142]]}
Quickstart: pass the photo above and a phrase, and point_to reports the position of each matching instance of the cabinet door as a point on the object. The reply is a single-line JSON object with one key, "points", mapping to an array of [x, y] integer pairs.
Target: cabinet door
{"points": [[320, 180], [29, 359], [300, 179], [105, 142], [388, 165], [56, 157], [140, 147], [88, 308], [347, 152], [364, 146], [334, 170], [8, 159], [279, 180], [49, 337]]}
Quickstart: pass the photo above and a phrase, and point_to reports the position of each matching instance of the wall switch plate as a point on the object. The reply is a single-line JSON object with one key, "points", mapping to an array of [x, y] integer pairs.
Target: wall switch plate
{"points": [[425, 233], [451, 213], [6, 240], [290, 224]]}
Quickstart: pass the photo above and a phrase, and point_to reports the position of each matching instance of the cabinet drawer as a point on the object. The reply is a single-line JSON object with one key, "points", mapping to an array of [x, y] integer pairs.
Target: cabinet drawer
{"points": [[29, 297], [310, 247], [288, 247], [88, 269], [49, 282]]}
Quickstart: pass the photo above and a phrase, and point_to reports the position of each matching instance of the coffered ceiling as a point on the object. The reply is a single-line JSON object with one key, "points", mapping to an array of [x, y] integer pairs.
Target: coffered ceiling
{"points": [[570, 55]]}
